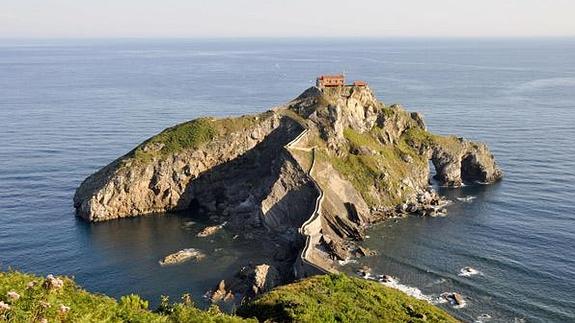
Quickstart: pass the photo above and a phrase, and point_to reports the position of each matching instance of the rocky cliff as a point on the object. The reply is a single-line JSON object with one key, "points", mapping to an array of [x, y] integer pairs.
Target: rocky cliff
{"points": [[157, 175], [372, 162], [326, 164]]}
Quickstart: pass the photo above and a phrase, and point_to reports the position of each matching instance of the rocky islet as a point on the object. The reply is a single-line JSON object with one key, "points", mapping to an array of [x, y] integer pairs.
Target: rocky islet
{"points": [[309, 176]]}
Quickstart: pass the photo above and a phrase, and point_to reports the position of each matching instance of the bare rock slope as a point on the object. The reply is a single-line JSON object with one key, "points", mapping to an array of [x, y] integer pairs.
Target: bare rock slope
{"points": [[313, 172]]}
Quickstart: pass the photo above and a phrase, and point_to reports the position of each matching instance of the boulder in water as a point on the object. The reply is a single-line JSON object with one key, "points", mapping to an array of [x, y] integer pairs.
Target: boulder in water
{"points": [[386, 278], [221, 294], [468, 198], [454, 298], [458, 299], [468, 271], [182, 256], [248, 283], [208, 231]]}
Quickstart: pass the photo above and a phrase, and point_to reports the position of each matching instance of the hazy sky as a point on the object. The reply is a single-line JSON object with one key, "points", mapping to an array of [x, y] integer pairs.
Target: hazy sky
{"points": [[286, 18]]}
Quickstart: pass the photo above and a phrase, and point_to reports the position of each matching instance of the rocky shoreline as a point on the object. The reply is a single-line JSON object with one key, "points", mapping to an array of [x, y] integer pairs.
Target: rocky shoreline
{"points": [[309, 177]]}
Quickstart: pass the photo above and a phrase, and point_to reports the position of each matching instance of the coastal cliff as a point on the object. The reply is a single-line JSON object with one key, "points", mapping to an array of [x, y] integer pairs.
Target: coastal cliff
{"points": [[308, 175], [155, 176]]}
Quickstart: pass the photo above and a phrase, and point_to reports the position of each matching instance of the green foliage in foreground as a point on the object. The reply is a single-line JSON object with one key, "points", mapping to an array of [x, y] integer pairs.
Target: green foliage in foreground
{"points": [[36, 303], [330, 298], [340, 298]]}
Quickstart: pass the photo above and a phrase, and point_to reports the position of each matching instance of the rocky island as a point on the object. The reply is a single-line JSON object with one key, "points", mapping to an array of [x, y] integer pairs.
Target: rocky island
{"points": [[309, 175]]}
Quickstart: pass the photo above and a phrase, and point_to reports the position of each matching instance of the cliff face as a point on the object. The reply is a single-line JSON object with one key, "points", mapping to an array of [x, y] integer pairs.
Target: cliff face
{"points": [[332, 160], [467, 162], [372, 160], [154, 178]]}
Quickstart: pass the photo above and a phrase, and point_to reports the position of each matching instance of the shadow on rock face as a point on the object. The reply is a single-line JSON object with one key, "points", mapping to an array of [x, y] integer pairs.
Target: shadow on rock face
{"points": [[266, 175]]}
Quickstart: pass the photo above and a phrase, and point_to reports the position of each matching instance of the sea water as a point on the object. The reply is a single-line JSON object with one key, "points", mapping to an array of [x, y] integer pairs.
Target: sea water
{"points": [[69, 107]]}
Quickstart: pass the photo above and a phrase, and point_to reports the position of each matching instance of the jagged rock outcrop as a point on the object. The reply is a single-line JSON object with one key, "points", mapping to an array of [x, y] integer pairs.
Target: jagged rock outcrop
{"points": [[335, 109], [326, 164], [248, 283], [393, 125], [468, 162], [375, 164], [425, 203]]}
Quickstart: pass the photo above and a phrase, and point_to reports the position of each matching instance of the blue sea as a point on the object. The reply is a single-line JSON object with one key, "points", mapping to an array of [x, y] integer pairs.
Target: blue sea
{"points": [[69, 107]]}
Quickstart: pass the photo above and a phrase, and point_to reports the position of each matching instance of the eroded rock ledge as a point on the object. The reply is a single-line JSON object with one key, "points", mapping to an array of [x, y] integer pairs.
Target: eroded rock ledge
{"points": [[357, 162]]}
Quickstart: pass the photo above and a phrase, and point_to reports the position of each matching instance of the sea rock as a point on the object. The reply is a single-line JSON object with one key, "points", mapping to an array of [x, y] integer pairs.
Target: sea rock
{"points": [[208, 231], [364, 252], [365, 272], [221, 294], [249, 282], [418, 118], [406, 158], [265, 278], [387, 279], [336, 248], [289, 201], [468, 271], [188, 224], [335, 109], [459, 161], [182, 256], [425, 203], [458, 299], [454, 298]]}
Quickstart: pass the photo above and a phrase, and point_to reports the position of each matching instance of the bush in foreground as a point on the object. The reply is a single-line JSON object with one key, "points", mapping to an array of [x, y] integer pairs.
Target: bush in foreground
{"points": [[331, 298], [28, 298], [340, 298]]}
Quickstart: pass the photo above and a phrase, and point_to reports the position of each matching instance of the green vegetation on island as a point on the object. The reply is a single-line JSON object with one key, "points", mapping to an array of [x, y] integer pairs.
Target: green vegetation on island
{"points": [[191, 135], [375, 169]]}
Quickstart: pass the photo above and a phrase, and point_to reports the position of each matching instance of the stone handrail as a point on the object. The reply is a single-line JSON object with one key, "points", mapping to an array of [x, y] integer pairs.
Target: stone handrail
{"points": [[317, 201], [296, 139], [314, 221]]}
